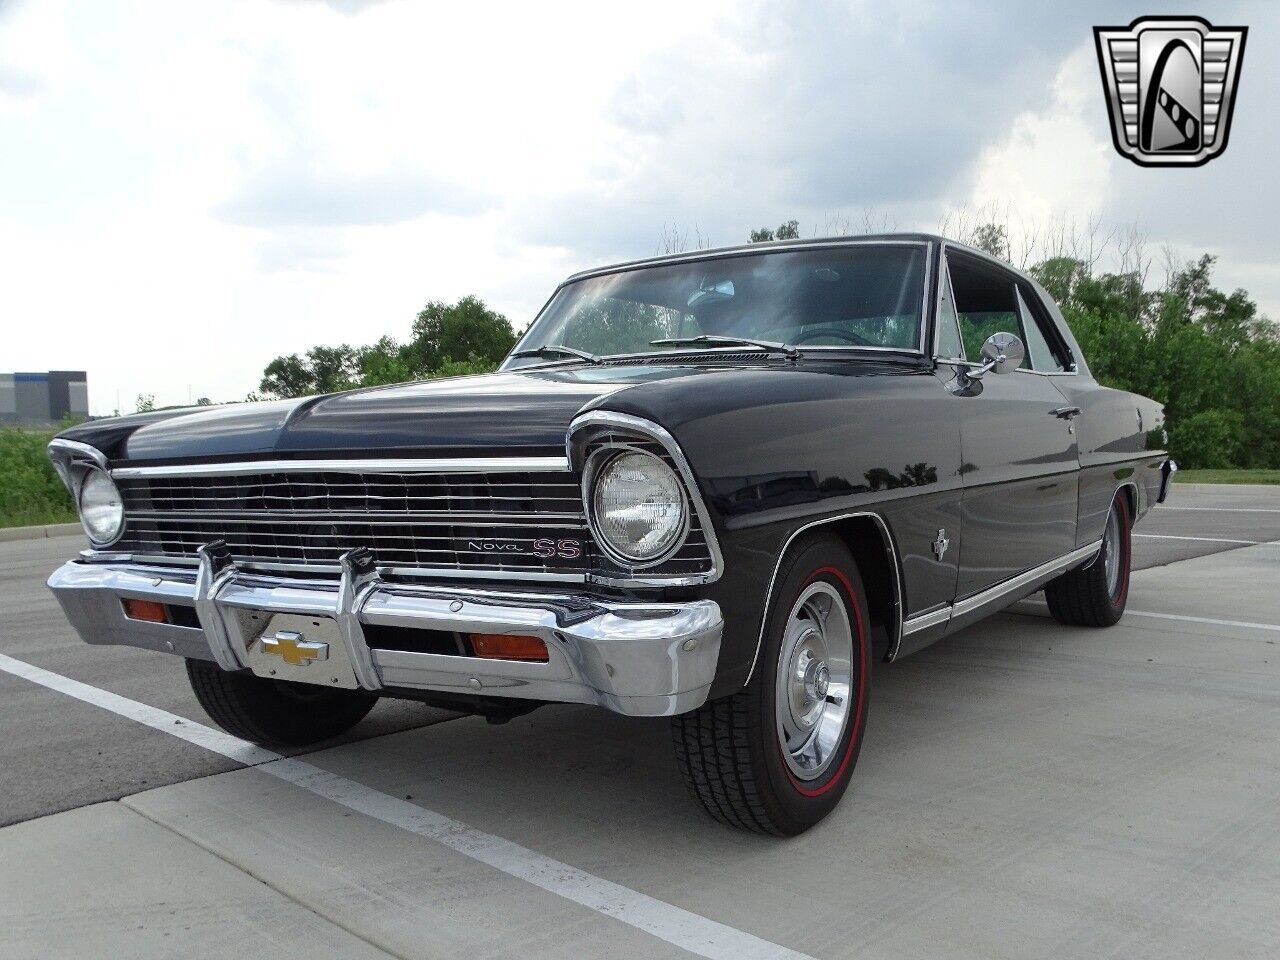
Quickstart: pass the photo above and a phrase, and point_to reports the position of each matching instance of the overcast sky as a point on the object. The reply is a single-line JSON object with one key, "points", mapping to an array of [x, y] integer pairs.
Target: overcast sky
{"points": [[187, 190]]}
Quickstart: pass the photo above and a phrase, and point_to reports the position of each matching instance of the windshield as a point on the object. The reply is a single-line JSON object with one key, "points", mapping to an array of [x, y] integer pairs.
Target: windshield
{"points": [[863, 295]]}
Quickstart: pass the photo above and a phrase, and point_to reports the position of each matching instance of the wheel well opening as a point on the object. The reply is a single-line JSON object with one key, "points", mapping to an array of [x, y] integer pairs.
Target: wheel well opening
{"points": [[1131, 500], [865, 539]]}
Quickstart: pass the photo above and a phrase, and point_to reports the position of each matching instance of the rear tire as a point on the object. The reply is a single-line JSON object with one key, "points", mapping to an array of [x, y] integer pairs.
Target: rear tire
{"points": [[1095, 595], [777, 756], [275, 713]]}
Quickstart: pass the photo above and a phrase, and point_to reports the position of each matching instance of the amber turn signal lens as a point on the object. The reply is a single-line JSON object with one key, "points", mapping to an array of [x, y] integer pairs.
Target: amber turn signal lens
{"points": [[146, 610], [500, 646]]}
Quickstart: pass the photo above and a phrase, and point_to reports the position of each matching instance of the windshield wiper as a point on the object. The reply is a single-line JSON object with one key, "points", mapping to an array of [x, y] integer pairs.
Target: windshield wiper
{"points": [[718, 340], [557, 350]]}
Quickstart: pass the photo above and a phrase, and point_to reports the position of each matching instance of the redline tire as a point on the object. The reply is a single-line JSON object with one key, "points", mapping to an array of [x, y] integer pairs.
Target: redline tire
{"points": [[732, 751], [1095, 595], [275, 713]]}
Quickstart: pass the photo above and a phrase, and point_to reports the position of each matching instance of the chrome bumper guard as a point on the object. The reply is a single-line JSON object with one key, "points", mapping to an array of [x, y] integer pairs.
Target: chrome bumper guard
{"points": [[640, 659], [1167, 470]]}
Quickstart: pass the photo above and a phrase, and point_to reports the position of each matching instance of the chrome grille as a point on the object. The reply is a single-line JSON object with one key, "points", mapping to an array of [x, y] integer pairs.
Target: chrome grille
{"points": [[458, 521]]}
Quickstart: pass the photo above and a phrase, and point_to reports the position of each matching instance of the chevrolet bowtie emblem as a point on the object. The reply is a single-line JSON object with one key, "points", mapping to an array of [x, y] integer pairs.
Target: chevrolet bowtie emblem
{"points": [[294, 649]]}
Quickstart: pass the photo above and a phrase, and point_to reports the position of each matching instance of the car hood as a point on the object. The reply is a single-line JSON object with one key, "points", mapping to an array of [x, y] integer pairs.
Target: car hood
{"points": [[530, 410], [490, 414]]}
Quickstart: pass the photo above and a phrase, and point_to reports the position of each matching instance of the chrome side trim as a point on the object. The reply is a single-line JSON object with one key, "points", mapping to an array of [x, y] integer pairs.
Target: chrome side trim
{"points": [[241, 468], [895, 637], [650, 429], [1001, 590], [926, 620], [993, 595]]}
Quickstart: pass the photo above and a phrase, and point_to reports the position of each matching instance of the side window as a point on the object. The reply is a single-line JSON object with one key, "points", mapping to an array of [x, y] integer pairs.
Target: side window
{"points": [[1043, 357], [986, 302], [949, 345]]}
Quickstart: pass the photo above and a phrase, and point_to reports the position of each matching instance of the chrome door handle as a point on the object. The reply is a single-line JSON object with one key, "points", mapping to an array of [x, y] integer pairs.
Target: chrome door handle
{"points": [[1066, 413]]}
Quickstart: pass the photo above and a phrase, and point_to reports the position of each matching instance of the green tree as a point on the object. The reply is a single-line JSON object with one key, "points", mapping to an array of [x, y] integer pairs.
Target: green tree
{"points": [[991, 238], [287, 377], [790, 230], [466, 330], [462, 337]]}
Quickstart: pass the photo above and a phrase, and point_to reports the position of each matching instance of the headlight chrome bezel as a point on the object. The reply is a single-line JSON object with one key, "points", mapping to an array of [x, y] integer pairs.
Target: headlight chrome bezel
{"points": [[97, 475], [597, 464]]}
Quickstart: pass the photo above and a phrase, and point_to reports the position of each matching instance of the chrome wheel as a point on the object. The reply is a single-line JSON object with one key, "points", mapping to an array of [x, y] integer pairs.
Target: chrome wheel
{"points": [[1112, 545], [812, 700]]}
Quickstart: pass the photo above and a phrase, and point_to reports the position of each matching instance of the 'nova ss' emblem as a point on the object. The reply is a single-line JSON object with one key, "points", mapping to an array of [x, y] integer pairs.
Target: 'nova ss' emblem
{"points": [[545, 548], [294, 649]]}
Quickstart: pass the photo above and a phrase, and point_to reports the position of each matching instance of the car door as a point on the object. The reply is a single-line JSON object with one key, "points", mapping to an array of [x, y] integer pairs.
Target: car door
{"points": [[1021, 459]]}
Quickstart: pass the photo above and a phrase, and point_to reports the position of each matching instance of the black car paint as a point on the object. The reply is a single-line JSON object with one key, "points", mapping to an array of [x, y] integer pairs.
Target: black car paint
{"points": [[775, 445]]}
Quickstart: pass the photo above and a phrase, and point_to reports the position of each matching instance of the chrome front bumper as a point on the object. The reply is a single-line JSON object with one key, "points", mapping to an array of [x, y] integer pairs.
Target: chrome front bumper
{"points": [[641, 659]]}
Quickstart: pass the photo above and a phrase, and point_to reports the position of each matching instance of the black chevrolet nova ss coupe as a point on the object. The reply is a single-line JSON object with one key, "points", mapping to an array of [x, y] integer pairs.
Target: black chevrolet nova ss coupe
{"points": [[716, 487]]}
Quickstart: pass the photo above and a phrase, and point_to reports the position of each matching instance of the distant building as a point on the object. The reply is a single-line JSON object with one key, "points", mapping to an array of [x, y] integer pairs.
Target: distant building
{"points": [[39, 399]]}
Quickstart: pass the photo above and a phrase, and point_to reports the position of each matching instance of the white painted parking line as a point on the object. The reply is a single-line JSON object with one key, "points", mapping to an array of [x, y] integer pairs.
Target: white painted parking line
{"points": [[1220, 623], [1178, 616], [1169, 536], [1164, 506], [681, 928]]}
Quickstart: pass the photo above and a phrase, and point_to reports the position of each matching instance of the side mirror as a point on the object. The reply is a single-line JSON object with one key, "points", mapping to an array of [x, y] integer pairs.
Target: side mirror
{"points": [[1002, 353]]}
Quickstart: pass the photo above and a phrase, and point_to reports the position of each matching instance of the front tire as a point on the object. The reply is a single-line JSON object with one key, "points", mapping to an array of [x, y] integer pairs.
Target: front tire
{"points": [[275, 713], [777, 756], [1095, 595]]}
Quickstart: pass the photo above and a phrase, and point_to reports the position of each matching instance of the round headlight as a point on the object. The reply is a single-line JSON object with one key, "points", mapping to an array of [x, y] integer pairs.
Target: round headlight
{"points": [[101, 510], [639, 508]]}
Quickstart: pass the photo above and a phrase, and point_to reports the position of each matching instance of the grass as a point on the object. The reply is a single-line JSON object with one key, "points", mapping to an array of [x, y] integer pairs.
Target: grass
{"points": [[1227, 476], [30, 492]]}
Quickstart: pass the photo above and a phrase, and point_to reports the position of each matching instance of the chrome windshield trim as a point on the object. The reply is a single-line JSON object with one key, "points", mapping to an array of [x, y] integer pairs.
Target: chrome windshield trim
{"points": [[744, 250], [249, 467], [925, 243], [648, 428]]}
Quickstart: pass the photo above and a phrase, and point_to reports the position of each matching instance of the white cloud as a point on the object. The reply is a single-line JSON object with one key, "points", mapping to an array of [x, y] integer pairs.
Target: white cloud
{"points": [[188, 190], [1053, 159], [35, 54]]}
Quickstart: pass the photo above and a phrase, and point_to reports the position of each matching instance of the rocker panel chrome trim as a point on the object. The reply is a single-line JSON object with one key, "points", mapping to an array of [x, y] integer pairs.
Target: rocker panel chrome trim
{"points": [[993, 595]]}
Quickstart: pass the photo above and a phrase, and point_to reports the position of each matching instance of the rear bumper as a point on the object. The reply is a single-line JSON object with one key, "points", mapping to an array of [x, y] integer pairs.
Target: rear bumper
{"points": [[641, 659]]}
